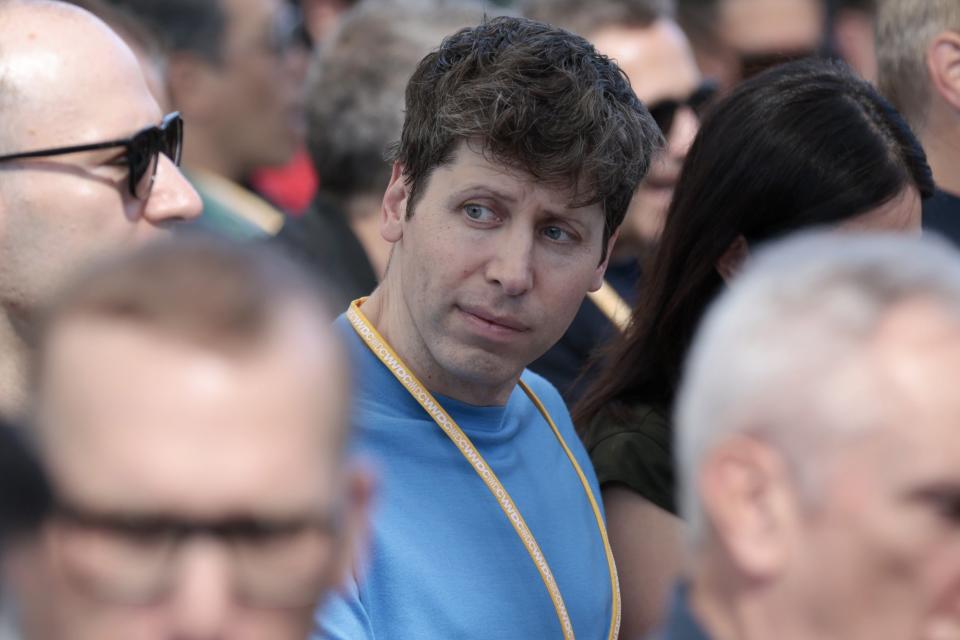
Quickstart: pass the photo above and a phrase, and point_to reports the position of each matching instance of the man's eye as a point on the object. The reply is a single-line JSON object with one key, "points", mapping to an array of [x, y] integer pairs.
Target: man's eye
{"points": [[479, 213], [557, 234]]}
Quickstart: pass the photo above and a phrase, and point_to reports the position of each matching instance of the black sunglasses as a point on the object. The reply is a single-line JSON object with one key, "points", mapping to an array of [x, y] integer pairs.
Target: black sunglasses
{"points": [[143, 152], [665, 111]]}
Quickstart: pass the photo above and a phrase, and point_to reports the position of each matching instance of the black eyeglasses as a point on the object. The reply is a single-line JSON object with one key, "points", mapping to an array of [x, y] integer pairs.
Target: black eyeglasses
{"points": [[665, 111], [131, 559], [143, 152]]}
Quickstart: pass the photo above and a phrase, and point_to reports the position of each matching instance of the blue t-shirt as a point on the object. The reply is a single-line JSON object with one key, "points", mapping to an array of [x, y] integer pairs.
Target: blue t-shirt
{"points": [[445, 562]]}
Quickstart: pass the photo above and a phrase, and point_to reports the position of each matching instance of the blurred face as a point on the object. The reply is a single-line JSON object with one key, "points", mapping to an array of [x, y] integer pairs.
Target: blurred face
{"points": [[879, 556], [763, 32], [258, 88], [202, 492], [486, 274], [59, 212], [661, 68]]}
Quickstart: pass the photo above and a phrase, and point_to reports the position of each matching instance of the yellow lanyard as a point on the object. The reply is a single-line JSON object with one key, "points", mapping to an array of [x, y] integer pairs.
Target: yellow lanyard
{"points": [[612, 305], [448, 425]]}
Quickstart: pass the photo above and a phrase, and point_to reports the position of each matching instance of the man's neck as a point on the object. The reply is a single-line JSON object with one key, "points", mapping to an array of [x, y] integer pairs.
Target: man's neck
{"points": [[729, 609], [388, 313], [942, 144], [14, 357]]}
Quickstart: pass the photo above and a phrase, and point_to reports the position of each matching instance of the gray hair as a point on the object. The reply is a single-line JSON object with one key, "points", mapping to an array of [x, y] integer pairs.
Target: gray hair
{"points": [[357, 83], [905, 29], [781, 354]]}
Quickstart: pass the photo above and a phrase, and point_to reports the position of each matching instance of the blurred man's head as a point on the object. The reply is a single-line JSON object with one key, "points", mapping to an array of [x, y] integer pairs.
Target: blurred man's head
{"points": [[918, 48], [737, 39], [763, 33], [645, 41], [853, 35], [68, 81], [355, 100], [235, 70], [818, 442], [191, 409]]}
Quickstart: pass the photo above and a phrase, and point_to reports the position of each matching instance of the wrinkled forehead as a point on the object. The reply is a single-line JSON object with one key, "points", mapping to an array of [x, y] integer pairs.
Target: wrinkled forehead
{"points": [[66, 78]]}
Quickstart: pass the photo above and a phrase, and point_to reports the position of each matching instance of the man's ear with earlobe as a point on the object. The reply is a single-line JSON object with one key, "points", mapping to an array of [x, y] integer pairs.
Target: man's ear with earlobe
{"points": [[601, 270], [393, 213], [361, 486], [943, 65], [730, 263], [746, 492]]}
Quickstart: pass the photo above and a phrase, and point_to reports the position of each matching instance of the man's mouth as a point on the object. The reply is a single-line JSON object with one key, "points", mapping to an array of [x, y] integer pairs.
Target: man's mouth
{"points": [[494, 321]]}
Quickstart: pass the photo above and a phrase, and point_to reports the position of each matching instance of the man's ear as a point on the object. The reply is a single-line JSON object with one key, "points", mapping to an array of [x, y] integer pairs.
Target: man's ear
{"points": [[359, 497], [733, 258], [597, 281], [395, 202], [746, 491], [943, 64]]}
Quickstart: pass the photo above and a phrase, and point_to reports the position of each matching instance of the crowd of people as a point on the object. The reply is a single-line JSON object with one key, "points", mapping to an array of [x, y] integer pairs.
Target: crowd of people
{"points": [[374, 319]]}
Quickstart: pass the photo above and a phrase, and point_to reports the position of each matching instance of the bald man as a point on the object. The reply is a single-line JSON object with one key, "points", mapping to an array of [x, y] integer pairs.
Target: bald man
{"points": [[87, 163]]}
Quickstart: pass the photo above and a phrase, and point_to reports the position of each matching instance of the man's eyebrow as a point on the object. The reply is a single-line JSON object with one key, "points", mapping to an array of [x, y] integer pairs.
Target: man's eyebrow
{"points": [[496, 193]]}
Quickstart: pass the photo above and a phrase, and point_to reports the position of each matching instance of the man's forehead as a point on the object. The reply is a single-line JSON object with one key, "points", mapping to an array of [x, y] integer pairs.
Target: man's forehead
{"points": [[67, 77], [475, 167]]}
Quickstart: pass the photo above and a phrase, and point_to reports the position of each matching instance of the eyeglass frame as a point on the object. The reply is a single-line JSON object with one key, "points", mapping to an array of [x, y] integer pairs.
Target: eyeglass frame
{"points": [[177, 531], [698, 100], [171, 119]]}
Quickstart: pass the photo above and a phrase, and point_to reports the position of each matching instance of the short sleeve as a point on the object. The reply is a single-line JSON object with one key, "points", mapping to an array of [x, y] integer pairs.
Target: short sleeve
{"points": [[637, 453]]}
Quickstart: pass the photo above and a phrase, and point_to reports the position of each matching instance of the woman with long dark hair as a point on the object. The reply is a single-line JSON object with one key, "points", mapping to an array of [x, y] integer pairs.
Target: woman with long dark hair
{"points": [[802, 145]]}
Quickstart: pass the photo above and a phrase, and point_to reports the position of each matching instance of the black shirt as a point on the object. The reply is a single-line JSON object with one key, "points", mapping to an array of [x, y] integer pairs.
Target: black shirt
{"points": [[941, 214], [323, 240]]}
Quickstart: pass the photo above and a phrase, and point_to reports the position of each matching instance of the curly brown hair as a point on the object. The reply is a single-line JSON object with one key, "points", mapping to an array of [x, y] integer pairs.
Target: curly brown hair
{"points": [[538, 99]]}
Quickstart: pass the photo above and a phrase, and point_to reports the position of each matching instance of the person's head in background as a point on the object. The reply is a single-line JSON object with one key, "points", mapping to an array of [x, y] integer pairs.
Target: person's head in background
{"points": [[818, 448], [60, 210], [190, 405], [918, 46], [853, 35], [644, 39], [804, 144], [355, 101], [235, 70], [321, 17], [736, 39]]}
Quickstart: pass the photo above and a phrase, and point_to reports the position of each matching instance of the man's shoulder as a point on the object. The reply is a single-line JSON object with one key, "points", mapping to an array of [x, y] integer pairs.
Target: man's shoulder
{"points": [[543, 388]]}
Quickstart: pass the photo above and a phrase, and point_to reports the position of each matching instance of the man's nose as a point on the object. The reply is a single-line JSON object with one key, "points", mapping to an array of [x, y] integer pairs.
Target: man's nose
{"points": [[172, 196], [203, 597], [512, 263]]}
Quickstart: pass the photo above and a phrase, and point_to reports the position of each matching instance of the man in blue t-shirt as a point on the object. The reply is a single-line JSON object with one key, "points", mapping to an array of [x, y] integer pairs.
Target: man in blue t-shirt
{"points": [[520, 151]]}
